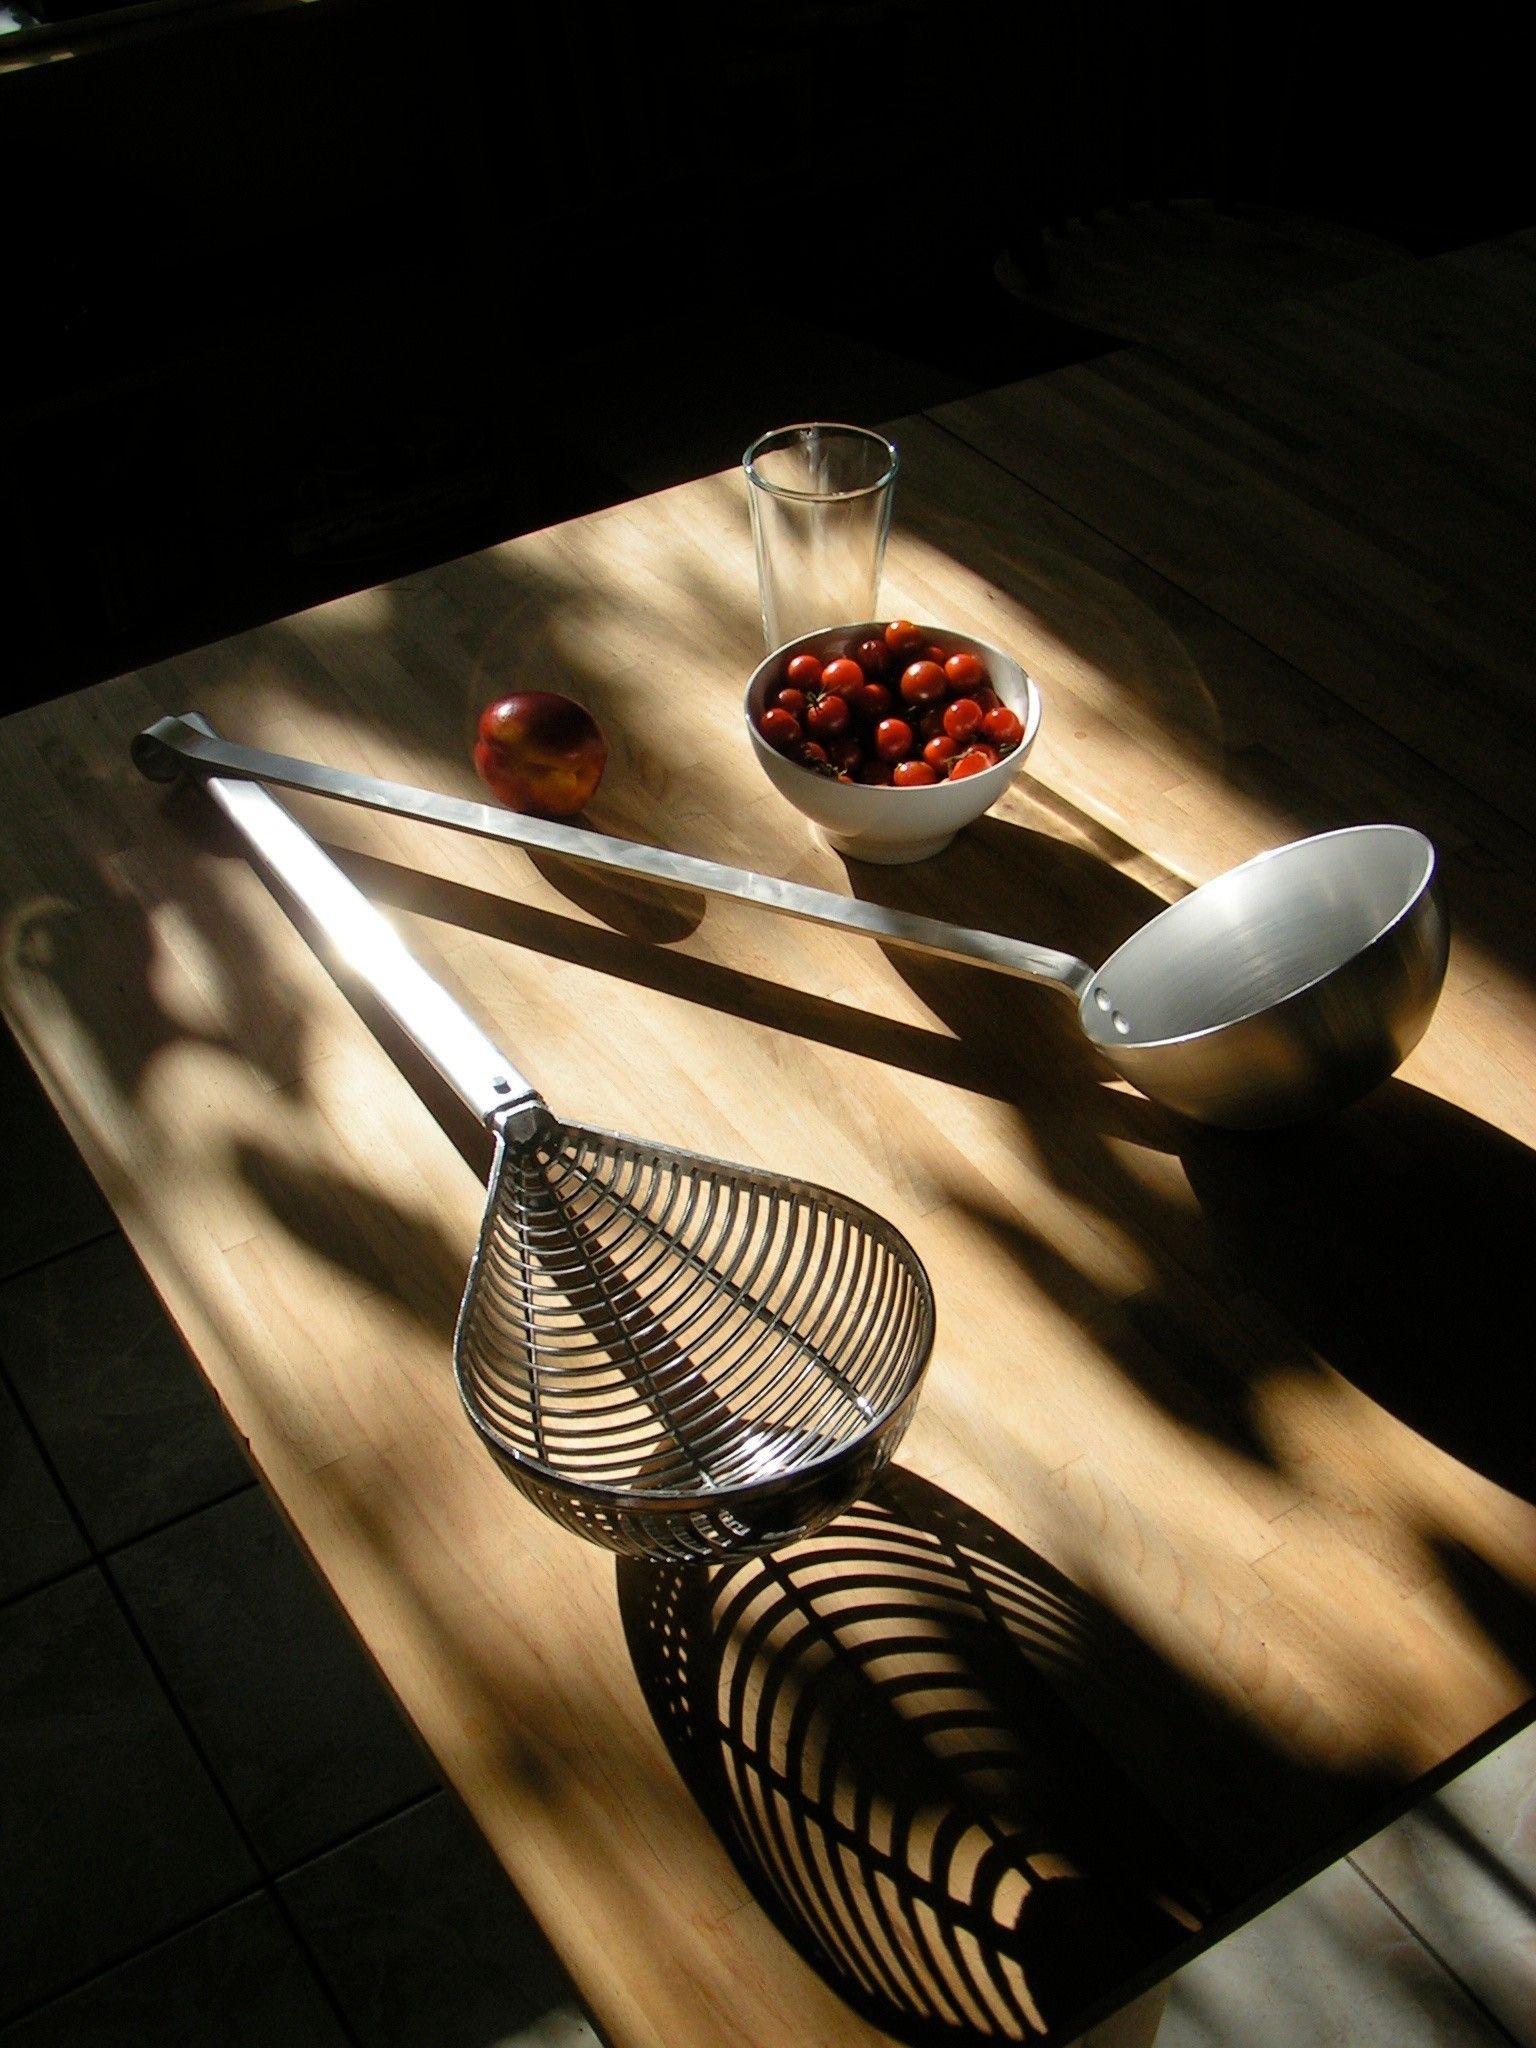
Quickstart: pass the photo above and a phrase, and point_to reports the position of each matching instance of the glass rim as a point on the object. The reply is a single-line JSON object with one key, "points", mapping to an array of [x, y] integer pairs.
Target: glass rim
{"points": [[760, 447]]}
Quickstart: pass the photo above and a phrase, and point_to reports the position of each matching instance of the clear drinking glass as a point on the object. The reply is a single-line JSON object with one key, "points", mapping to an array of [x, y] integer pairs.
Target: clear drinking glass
{"points": [[821, 509]]}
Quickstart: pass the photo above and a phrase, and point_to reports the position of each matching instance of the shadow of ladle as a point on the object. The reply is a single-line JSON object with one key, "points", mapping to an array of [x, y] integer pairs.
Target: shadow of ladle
{"points": [[1284, 988]]}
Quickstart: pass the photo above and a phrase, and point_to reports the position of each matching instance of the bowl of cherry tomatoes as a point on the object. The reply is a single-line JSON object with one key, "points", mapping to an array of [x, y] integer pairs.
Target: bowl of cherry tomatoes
{"points": [[891, 736]]}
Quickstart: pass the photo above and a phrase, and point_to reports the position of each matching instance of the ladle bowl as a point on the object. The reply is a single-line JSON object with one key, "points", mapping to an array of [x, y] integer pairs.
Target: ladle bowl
{"points": [[1284, 988]]}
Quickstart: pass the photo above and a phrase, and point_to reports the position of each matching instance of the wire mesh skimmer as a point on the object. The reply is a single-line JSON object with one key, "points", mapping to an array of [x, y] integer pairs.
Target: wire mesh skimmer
{"points": [[675, 1357]]}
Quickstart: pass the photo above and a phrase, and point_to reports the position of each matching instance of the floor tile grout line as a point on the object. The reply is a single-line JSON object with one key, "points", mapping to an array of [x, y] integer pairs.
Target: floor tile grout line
{"points": [[351, 1836], [269, 1886], [63, 1252], [50, 1464], [1434, 1954], [264, 1890], [322, 1982], [98, 1554], [130, 1620], [216, 1500], [226, 1801], [272, 1878], [54, 1579], [109, 1579], [132, 1955], [1507, 818]]}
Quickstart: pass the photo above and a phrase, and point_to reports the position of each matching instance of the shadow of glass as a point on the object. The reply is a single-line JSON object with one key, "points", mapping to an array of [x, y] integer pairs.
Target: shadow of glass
{"points": [[966, 1792], [1159, 654]]}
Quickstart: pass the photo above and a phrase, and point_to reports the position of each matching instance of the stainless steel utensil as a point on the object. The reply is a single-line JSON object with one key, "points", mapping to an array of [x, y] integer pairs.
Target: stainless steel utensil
{"points": [[675, 1357], [1284, 988]]}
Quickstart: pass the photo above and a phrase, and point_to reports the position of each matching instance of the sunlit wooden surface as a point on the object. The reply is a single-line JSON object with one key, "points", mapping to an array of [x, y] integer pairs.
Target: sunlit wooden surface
{"points": [[1213, 1528]]}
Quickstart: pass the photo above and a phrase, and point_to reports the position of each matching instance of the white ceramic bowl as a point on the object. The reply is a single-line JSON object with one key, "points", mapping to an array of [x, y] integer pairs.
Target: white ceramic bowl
{"points": [[891, 826]]}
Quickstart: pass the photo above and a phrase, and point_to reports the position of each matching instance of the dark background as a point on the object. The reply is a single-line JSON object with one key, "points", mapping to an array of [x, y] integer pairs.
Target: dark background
{"points": [[305, 295]]}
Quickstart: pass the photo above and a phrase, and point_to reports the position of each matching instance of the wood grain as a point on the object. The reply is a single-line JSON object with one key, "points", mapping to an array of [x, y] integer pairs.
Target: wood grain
{"points": [[1347, 477], [1219, 1490], [1154, 271]]}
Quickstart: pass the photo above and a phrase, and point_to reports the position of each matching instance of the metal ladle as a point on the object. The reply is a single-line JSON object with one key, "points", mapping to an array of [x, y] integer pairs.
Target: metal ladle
{"points": [[1282, 989]]}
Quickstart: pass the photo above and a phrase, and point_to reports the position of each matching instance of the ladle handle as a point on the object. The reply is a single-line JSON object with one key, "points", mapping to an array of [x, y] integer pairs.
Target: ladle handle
{"points": [[371, 947], [163, 748]]}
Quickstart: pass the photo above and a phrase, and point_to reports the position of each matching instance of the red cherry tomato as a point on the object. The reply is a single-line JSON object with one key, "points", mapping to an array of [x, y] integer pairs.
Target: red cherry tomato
{"points": [[938, 655], [922, 683], [972, 762], [965, 671], [842, 677], [804, 672], [987, 699], [940, 750], [875, 774], [931, 723], [827, 717], [813, 756], [792, 701], [873, 656], [902, 637], [845, 753], [780, 729], [893, 739], [962, 718], [874, 700], [912, 774], [1003, 727]]}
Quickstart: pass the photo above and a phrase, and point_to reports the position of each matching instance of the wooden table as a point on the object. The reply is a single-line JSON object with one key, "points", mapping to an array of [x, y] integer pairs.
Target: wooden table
{"points": [[1211, 1545]]}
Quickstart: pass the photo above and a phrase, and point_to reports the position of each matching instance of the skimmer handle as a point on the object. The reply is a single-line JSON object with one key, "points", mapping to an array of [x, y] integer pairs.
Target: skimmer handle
{"points": [[170, 743], [370, 946]]}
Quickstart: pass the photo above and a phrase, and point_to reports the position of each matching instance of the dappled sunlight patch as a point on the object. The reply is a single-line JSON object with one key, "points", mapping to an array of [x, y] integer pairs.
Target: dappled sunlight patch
{"points": [[1077, 632]]}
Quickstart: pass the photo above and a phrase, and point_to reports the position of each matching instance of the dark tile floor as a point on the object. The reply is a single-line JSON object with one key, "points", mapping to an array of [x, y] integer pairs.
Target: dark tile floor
{"points": [[214, 1825]]}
